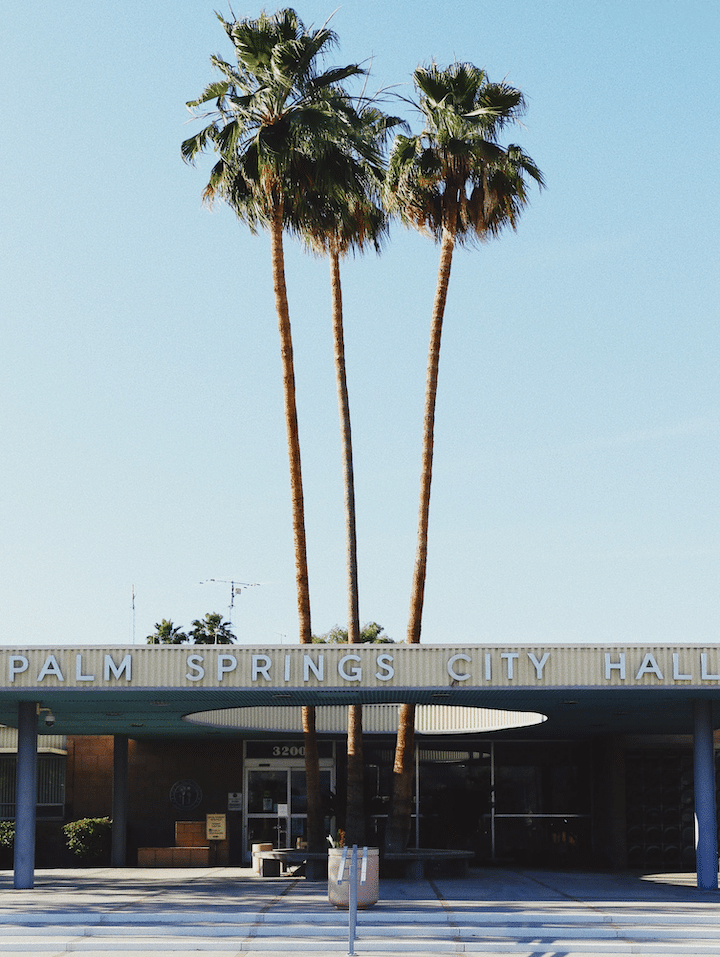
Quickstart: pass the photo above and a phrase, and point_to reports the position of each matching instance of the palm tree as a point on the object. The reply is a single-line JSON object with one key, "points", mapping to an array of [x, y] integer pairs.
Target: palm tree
{"points": [[371, 633], [457, 183], [276, 115], [167, 633], [211, 630], [349, 218]]}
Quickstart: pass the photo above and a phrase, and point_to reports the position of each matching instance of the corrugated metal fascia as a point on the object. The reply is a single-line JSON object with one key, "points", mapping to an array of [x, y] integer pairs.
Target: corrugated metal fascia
{"points": [[430, 667], [47, 743]]}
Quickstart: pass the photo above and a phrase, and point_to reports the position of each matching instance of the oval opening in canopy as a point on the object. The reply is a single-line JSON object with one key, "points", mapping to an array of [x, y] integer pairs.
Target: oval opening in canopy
{"points": [[377, 719]]}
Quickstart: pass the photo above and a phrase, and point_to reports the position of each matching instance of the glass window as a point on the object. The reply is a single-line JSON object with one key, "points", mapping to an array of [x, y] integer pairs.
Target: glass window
{"points": [[267, 789], [50, 786]]}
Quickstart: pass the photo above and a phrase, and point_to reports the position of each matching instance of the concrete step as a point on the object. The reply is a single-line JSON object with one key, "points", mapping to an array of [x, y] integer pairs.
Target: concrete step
{"points": [[560, 929], [221, 940], [117, 947], [375, 917], [690, 928]]}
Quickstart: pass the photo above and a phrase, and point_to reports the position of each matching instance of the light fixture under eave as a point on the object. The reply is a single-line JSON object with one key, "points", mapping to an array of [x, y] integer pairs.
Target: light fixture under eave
{"points": [[49, 716]]}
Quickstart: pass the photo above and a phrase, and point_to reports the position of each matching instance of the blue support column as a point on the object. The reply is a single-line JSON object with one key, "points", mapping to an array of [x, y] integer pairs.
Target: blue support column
{"points": [[26, 796], [705, 811], [119, 800]]}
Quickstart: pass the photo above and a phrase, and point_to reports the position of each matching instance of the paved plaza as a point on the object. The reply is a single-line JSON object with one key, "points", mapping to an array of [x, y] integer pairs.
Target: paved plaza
{"points": [[229, 912]]}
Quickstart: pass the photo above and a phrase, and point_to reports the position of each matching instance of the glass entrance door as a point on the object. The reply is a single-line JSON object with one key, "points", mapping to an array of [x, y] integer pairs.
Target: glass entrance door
{"points": [[276, 806], [267, 808]]}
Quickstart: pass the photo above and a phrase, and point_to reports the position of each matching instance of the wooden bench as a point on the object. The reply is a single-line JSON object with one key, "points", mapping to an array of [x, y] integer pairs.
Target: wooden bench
{"points": [[415, 859]]}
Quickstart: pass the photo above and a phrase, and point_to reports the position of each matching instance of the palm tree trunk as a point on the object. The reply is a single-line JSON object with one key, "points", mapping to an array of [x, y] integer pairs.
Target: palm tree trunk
{"points": [[398, 829], [347, 456], [354, 812], [312, 764], [315, 832], [417, 593]]}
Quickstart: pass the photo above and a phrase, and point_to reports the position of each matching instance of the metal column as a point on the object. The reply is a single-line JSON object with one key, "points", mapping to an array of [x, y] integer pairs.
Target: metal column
{"points": [[26, 795], [417, 795], [119, 800], [706, 846]]}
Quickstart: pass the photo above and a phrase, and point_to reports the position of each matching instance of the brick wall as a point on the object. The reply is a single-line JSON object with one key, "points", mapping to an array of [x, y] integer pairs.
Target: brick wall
{"points": [[88, 777], [153, 768]]}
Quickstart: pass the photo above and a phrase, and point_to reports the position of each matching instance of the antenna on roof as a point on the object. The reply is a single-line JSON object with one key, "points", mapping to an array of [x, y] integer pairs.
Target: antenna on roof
{"points": [[236, 588]]}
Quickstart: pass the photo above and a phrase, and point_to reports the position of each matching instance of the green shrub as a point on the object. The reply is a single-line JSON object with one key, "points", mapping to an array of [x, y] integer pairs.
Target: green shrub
{"points": [[7, 834], [89, 838]]}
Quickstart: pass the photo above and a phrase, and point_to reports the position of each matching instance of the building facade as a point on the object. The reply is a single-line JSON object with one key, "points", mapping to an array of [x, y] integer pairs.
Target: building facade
{"points": [[621, 801], [567, 755]]}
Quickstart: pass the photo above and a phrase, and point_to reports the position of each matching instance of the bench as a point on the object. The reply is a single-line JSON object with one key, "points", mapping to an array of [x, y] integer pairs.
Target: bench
{"points": [[191, 849], [174, 856], [415, 859], [273, 863]]}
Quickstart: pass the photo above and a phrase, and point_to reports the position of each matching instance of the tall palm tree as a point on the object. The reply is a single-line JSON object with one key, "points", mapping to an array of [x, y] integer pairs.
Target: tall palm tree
{"points": [[350, 218], [457, 183], [370, 633], [275, 116]]}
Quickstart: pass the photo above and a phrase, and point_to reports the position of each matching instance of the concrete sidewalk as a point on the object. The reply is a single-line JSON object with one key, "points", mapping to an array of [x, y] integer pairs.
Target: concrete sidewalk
{"points": [[172, 890], [227, 910]]}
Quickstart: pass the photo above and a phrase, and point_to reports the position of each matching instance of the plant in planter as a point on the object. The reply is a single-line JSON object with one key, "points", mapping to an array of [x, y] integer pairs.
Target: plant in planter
{"points": [[367, 893], [89, 839], [338, 840]]}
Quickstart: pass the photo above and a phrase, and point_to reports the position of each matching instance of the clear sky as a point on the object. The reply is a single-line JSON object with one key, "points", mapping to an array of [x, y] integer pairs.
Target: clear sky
{"points": [[576, 492]]}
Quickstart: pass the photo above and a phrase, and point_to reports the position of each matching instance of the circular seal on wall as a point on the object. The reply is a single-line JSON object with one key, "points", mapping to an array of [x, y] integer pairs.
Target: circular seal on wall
{"points": [[185, 795]]}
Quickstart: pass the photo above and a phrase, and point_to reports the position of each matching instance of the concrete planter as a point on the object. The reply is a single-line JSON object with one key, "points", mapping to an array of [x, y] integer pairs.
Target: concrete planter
{"points": [[367, 893], [257, 849]]}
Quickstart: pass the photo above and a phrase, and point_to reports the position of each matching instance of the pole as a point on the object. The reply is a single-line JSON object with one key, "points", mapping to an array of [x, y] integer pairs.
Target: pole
{"points": [[119, 800], [26, 796], [492, 801], [706, 847], [352, 902], [417, 796]]}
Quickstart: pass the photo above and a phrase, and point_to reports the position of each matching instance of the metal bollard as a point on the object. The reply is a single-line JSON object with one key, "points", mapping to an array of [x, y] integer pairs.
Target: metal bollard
{"points": [[352, 902], [352, 890]]}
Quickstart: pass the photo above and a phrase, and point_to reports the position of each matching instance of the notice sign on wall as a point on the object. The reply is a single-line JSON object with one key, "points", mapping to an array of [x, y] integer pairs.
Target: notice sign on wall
{"points": [[215, 827]]}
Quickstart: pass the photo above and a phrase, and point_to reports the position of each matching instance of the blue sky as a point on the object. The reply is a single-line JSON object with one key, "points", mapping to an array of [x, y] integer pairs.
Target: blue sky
{"points": [[576, 494]]}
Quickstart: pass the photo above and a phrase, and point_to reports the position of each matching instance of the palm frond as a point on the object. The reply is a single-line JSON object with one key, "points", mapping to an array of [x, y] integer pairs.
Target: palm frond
{"points": [[289, 136], [197, 144], [455, 175], [213, 91], [335, 75]]}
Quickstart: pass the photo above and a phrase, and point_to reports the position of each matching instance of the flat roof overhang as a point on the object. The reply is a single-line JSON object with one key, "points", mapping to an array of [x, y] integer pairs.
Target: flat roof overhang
{"points": [[149, 691]]}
